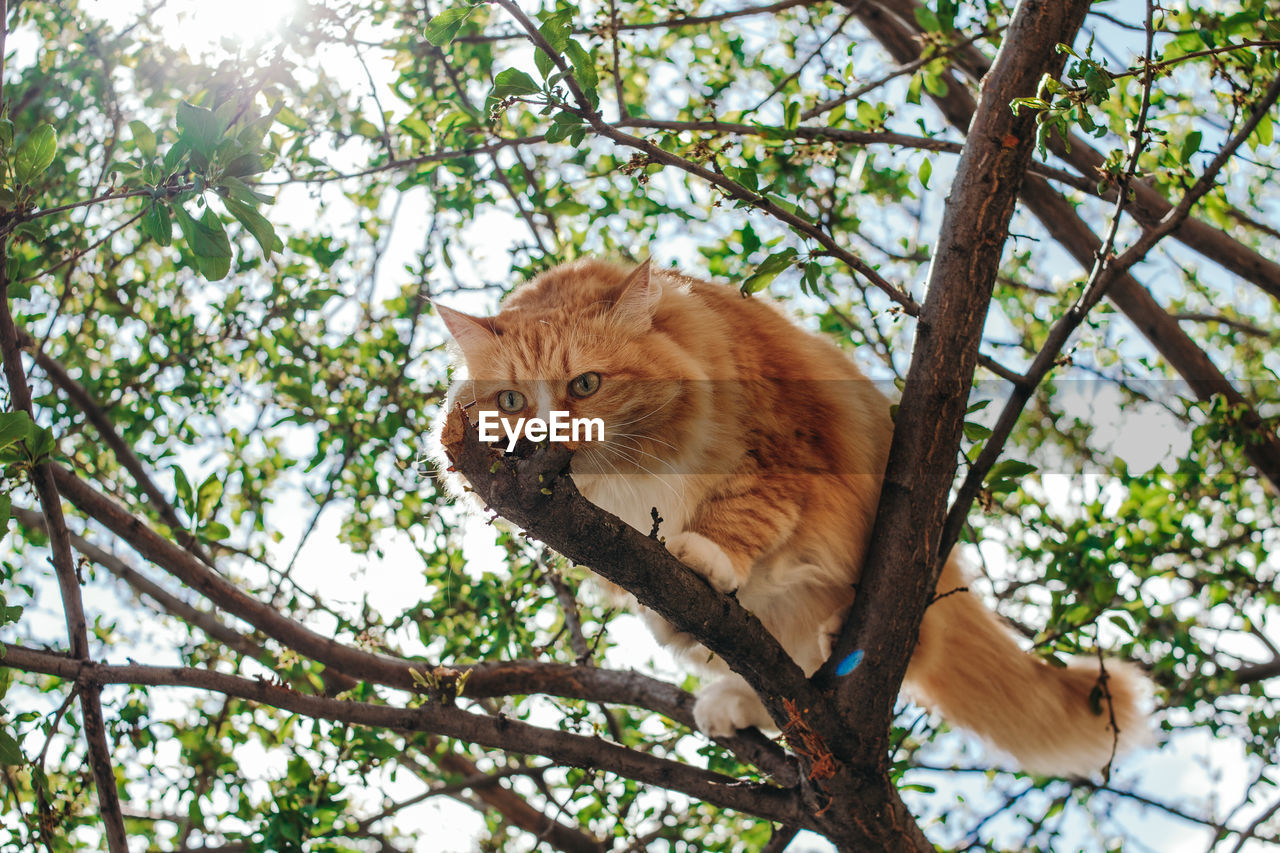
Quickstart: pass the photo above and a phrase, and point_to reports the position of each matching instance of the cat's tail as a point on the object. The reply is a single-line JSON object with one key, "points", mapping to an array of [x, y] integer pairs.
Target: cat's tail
{"points": [[1054, 720]]}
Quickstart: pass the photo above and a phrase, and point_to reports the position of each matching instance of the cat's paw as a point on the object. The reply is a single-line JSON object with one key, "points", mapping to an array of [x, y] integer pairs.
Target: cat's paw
{"points": [[706, 558], [729, 704]]}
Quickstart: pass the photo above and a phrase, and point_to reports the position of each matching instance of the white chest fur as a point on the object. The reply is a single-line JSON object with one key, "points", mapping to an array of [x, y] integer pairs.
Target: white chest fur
{"points": [[633, 499]]}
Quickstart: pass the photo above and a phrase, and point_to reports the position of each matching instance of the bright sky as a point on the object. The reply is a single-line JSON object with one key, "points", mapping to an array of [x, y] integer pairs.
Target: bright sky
{"points": [[200, 26]]}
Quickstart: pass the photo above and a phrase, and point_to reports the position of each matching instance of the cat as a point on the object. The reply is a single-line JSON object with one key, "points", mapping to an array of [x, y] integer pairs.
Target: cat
{"points": [[762, 448]]}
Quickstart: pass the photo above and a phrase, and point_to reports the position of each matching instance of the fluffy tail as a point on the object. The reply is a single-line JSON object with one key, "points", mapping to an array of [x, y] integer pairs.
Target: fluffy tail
{"points": [[1052, 720]]}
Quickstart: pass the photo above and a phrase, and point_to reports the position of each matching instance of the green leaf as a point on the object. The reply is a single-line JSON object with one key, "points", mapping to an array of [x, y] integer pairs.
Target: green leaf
{"points": [[143, 137], [14, 427], [543, 62], [768, 270], [10, 751], [214, 531], [1004, 476], [10, 613], [936, 84], [1190, 145], [174, 156], [1011, 468], [584, 69], [443, 28], [868, 116], [256, 224], [975, 431], [512, 83], [40, 443], [201, 130], [242, 192], [186, 495], [791, 119], [745, 177], [565, 124], [6, 505], [208, 495], [1262, 135], [35, 154], [556, 29], [1097, 82], [245, 165], [157, 223], [927, 20], [925, 172], [208, 241]]}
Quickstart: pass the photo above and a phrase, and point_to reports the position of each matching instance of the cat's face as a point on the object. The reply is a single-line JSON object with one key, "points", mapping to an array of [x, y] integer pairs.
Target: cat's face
{"points": [[587, 346]]}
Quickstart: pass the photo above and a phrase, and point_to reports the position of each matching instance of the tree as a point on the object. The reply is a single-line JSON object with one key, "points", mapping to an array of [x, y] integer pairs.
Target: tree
{"points": [[1029, 238]]}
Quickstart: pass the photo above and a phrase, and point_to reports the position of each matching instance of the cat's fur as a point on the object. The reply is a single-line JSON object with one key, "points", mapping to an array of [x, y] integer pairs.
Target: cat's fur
{"points": [[763, 448]]}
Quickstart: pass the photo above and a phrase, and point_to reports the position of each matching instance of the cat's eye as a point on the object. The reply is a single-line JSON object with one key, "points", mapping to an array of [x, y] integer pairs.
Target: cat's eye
{"points": [[585, 385], [510, 401]]}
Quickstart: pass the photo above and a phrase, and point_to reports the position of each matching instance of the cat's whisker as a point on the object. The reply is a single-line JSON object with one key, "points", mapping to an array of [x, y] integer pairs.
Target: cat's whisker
{"points": [[621, 452], [635, 436], [650, 414], [671, 468]]}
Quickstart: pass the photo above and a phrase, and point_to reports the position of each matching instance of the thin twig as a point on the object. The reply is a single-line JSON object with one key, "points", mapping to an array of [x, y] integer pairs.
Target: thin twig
{"points": [[673, 23], [423, 159]]}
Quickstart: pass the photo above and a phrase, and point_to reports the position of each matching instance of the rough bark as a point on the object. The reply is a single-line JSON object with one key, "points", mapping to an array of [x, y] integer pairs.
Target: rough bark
{"points": [[900, 569]]}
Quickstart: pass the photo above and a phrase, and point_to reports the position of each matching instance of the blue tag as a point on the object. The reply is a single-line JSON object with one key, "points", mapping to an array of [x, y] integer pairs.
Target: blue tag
{"points": [[850, 663]]}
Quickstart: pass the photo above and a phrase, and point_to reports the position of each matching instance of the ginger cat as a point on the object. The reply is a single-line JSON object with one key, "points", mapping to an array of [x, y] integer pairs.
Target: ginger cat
{"points": [[762, 447]]}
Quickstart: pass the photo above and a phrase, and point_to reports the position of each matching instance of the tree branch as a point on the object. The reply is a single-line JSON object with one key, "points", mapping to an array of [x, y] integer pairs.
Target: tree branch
{"points": [[537, 494], [498, 732], [486, 679], [64, 568], [900, 569]]}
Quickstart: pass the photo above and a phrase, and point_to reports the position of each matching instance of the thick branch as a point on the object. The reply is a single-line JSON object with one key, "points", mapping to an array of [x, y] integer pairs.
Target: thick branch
{"points": [[539, 496], [898, 573], [597, 685]]}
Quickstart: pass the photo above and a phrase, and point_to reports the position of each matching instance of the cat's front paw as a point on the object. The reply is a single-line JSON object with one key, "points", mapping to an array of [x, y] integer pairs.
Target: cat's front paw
{"points": [[706, 558], [729, 704]]}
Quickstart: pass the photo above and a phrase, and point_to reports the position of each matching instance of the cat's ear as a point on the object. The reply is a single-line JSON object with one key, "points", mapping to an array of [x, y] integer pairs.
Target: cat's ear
{"points": [[633, 311], [471, 333]]}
